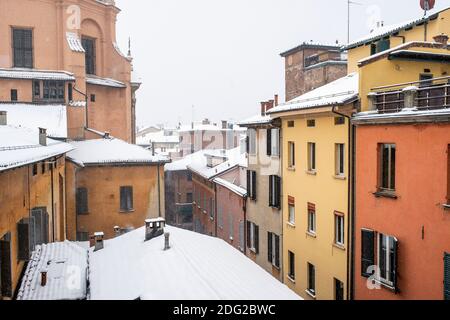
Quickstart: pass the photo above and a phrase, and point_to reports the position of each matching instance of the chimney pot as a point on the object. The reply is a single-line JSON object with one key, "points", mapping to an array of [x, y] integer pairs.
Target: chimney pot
{"points": [[224, 124], [117, 231], [276, 100], [269, 105], [106, 135], [42, 136], [166, 241], [154, 228], [98, 237], [3, 118], [263, 108], [43, 278]]}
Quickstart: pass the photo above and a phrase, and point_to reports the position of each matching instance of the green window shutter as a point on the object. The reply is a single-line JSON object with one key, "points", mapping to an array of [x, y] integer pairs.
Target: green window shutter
{"points": [[367, 251], [447, 276]]}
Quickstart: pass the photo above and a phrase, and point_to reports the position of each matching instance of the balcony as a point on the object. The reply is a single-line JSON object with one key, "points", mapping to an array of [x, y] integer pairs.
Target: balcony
{"points": [[430, 94], [333, 56]]}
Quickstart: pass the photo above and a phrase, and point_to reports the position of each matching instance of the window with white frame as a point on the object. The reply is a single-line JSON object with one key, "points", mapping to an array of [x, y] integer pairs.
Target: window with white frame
{"points": [[387, 255], [291, 213], [273, 142], [387, 166], [253, 237], [291, 154], [273, 243], [339, 228], [311, 279], [340, 159], [311, 156], [311, 219]]}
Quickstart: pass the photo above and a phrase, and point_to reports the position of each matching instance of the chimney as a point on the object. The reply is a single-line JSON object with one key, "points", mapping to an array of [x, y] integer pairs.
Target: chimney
{"points": [[206, 121], [43, 278], [263, 108], [166, 241], [276, 100], [3, 118], [224, 124], [117, 231], [269, 105], [42, 137], [98, 238], [154, 228], [106, 135], [441, 38]]}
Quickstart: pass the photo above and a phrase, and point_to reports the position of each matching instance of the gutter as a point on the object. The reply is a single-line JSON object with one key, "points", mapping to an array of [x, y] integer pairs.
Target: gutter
{"points": [[350, 205]]}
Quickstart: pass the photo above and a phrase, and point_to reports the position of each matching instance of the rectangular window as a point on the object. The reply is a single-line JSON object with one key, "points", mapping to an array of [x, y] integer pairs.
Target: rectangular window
{"points": [[311, 156], [89, 48], [311, 218], [82, 201], [220, 217], [14, 95], [92, 97], [340, 159], [83, 236], [338, 228], [23, 48], [273, 142], [211, 208], [126, 199], [241, 235], [339, 121], [189, 197], [43, 167], [253, 237], [338, 290], [387, 256], [291, 203], [291, 271], [70, 92], [37, 89], [54, 91], [291, 154], [24, 243], [310, 123], [275, 192], [291, 124], [312, 279], [273, 243], [252, 141], [367, 252], [35, 169], [251, 184], [231, 227], [387, 166]]}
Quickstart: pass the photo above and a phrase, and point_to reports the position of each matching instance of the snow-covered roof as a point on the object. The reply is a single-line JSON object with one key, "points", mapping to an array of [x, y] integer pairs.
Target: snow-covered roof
{"points": [[66, 264], [233, 158], [106, 82], [110, 151], [339, 92], [388, 30], [255, 120], [182, 164], [231, 186], [310, 45], [33, 116], [33, 74], [157, 137], [20, 146], [200, 127], [74, 42], [196, 267]]}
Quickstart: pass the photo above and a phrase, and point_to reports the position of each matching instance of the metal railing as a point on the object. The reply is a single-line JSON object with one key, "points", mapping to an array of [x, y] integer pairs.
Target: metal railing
{"points": [[430, 94]]}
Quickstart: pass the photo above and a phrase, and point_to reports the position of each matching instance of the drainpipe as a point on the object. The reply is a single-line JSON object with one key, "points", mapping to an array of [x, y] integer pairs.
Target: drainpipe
{"points": [[244, 205], [215, 209], [159, 190], [53, 200], [350, 205]]}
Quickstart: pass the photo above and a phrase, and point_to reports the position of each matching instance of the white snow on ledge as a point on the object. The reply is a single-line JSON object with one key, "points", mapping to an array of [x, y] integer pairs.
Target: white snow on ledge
{"points": [[106, 82], [196, 267], [29, 74]]}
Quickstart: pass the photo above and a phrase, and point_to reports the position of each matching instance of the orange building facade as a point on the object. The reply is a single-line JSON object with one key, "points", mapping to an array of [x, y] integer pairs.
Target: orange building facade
{"points": [[65, 52]]}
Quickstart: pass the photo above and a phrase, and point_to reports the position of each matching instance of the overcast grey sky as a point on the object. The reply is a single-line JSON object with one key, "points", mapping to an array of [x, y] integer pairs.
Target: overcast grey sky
{"points": [[222, 56]]}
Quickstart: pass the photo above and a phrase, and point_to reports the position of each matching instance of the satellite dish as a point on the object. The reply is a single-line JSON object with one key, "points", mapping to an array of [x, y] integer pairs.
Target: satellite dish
{"points": [[427, 4]]}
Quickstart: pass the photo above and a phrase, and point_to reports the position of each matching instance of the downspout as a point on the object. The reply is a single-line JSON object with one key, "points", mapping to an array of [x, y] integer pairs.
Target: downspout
{"points": [[350, 207], [53, 200], [159, 191], [215, 208], [244, 205]]}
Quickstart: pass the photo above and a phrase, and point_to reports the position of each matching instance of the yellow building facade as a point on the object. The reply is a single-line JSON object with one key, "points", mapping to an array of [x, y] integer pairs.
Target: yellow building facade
{"points": [[315, 137]]}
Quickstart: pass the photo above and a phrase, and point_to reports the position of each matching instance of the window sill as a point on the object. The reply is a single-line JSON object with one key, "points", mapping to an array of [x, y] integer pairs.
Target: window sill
{"points": [[210, 218], [204, 211], [339, 177], [83, 214], [291, 279], [446, 206], [275, 267], [309, 293], [385, 194], [339, 246], [291, 169], [385, 285], [311, 234], [291, 225], [311, 172], [252, 250], [127, 211]]}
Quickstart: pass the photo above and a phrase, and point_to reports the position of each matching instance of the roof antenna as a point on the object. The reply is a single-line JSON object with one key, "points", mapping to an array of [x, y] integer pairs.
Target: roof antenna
{"points": [[129, 46]]}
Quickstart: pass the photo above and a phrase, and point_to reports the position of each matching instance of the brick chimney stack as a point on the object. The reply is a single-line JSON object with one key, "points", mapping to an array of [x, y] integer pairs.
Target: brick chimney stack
{"points": [[263, 108], [42, 137], [276, 100], [270, 105]]}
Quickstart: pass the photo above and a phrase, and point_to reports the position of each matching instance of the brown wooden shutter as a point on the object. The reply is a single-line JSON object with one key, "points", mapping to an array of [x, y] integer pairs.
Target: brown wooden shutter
{"points": [[269, 247], [271, 178], [256, 239], [5, 266], [277, 203], [248, 184], [367, 251], [277, 251], [269, 142], [23, 231], [253, 185]]}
